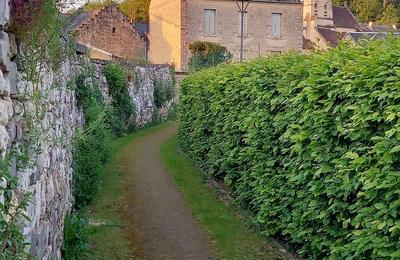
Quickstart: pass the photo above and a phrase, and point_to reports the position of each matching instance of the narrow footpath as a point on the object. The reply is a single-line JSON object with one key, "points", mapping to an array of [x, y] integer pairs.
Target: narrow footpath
{"points": [[160, 225]]}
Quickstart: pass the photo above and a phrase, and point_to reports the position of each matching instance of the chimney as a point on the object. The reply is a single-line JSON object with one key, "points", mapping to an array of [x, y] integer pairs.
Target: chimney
{"points": [[370, 25]]}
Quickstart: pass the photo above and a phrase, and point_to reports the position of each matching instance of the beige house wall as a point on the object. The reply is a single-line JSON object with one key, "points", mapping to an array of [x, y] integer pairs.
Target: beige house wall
{"points": [[165, 32], [259, 41]]}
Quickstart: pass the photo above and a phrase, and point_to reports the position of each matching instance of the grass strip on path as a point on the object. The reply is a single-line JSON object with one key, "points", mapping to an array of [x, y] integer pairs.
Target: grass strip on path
{"points": [[107, 240], [234, 240]]}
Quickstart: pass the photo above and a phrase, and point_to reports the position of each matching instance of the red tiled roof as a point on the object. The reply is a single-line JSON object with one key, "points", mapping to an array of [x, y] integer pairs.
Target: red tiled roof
{"points": [[342, 17]]}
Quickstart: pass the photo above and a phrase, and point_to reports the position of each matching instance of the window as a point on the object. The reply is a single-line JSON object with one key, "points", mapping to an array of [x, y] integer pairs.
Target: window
{"points": [[209, 22], [325, 10], [276, 52], [114, 29], [276, 25], [244, 23], [316, 9]]}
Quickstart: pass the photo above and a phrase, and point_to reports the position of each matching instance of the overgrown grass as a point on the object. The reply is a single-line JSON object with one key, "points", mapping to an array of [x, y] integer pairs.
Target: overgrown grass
{"points": [[107, 239], [232, 236]]}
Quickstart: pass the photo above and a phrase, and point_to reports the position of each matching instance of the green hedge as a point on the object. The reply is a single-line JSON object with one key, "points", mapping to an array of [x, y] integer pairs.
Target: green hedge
{"points": [[309, 143]]}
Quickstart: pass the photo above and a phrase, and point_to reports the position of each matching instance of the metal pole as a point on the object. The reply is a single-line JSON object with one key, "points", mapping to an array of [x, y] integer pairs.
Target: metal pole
{"points": [[241, 34], [242, 9]]}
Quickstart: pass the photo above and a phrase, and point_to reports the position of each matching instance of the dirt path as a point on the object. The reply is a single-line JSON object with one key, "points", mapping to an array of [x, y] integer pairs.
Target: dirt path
{"points": [[160, 224]]}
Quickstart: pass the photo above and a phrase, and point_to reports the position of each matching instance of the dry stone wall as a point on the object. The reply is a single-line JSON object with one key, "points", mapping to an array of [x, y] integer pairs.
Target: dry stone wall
{"points": [[48, 174], [142, 81]]}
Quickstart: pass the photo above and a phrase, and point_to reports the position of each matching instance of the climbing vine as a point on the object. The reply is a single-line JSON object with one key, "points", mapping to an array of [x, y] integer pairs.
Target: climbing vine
{"points": [[122, 110], [163, 92]]}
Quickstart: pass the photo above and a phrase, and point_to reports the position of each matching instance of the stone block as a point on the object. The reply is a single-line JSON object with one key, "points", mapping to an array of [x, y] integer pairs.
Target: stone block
{"points": [[4, 83], [13, 46], [12, 78], [4, 13], [5, 107], [3, 139], [4, 48]]}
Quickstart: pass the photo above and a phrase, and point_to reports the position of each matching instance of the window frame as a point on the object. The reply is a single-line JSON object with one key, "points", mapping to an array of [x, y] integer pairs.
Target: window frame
{"points": [[214, 29], [316, 9], [280, 25]]}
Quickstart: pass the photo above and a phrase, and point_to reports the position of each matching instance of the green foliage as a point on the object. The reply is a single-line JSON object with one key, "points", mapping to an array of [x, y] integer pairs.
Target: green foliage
{"points": [[384, 12], [207, 54], [12, 212], [228, 228], [91, 146], [43, 45], [137, 10], [163, 92], [123, 110], [389, 16], [310, 144], [76, 234], [367, 10]]}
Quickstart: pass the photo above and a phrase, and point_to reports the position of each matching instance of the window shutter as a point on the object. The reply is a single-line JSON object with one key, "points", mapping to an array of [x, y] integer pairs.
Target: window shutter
{"points": [[276, 25], [209, 22]]}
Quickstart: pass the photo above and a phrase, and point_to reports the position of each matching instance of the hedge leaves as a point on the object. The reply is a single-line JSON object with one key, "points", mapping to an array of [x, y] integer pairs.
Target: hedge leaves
{"points": [[309, 143]]}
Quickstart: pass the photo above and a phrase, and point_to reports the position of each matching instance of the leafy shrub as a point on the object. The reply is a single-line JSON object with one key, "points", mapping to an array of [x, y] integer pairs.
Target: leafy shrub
{"points": [[207, 54], [163, 92], [309, 143], [91, 146], [76, 234], [123, 108]]}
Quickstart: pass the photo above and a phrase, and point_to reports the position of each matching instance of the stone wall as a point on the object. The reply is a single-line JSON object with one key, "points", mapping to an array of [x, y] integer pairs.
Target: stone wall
{"points": [[142, 80], [109, 30], [47, 174]]}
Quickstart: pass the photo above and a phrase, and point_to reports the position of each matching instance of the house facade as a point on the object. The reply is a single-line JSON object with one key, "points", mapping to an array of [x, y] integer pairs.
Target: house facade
{"points": [[109, 34], [325, 25], [270, 26]]}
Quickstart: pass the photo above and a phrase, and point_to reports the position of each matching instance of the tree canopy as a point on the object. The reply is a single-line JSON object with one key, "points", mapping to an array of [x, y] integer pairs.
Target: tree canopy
{"points": [[380, 11], [137, 10]]}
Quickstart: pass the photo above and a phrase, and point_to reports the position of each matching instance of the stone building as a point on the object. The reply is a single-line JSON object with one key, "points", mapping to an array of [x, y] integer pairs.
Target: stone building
{"points": [[270, 26], [325, 25], [108, 33]]}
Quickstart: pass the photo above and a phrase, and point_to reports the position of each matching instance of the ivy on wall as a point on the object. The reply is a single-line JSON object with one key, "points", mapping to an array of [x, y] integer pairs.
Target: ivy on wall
{"points": [[122, 110]]}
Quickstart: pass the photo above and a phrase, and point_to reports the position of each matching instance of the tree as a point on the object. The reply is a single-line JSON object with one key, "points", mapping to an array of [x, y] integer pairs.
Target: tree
{"points": [[389, 16], [207, 54], [137, 10], [367, 10]]}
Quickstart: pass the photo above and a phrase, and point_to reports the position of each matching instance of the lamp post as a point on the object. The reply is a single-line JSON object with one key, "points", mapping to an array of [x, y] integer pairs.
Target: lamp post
{"points": [[242, 5]]}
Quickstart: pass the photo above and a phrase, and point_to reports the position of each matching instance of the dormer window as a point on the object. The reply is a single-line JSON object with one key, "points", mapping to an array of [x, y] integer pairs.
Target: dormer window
{"points": [[316, 9], [325, 10]]}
